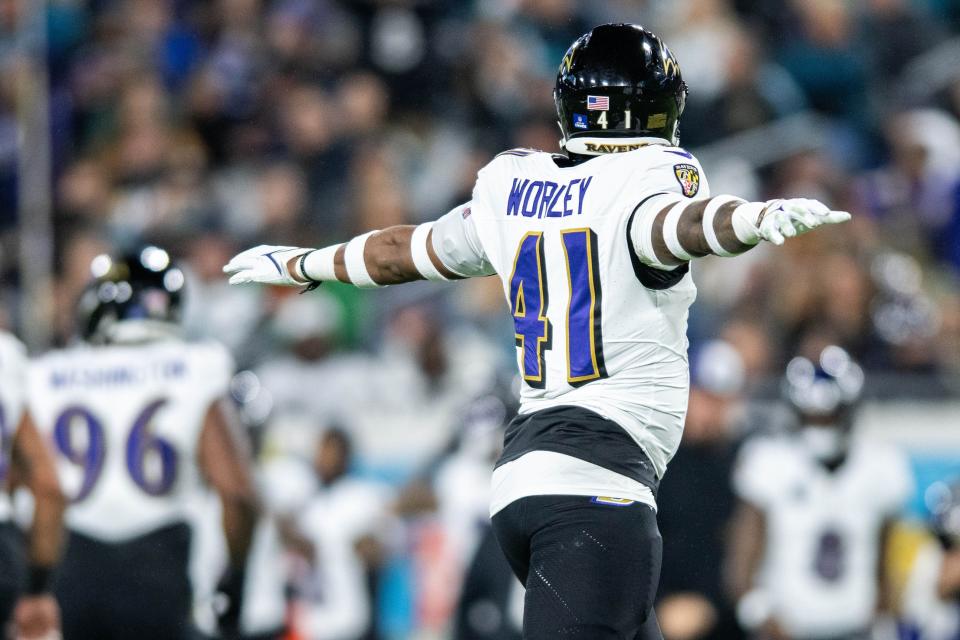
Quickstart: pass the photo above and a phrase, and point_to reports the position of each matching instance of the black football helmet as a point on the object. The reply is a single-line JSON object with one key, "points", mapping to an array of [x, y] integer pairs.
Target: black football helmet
{"points": [[824, 395], [134, 297], [618, 81], [826, 390]]}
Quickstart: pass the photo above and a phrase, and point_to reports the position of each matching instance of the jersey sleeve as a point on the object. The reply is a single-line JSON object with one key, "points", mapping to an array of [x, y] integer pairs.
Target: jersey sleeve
{"points": [[666, 176], [13, 378], [895, 483], [755, 473], [457, 243], [670, 171]]}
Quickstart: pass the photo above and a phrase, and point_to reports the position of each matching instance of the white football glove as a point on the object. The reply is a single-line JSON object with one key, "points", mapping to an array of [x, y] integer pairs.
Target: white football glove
{"points": [[266, 264], [782, 219]]}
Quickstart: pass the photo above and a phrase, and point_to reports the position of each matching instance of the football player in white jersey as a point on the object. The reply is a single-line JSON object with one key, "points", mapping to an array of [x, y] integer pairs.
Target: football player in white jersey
{"points": [[592, 247], [137, 418], [25, 597], [810, 533]]}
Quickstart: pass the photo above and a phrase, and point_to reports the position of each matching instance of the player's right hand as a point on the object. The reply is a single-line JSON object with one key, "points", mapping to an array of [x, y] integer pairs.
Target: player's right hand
{"points": [[266, 264], [782, 219]]}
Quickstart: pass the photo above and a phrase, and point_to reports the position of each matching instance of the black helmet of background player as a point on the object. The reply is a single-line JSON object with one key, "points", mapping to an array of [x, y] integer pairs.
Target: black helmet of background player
{"points": [[618, 82], [824, 393], [134, 297]]}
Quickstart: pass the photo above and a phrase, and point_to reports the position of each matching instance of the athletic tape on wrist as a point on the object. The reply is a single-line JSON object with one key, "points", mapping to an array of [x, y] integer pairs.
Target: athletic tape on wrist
{"points": [[670, 232], [356, 265], [709, 232], [421, 255], [746, 219], [318, 265]]}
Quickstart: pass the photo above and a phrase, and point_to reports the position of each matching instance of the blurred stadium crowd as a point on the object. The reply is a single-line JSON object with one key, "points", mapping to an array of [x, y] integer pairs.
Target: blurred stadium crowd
{"points": [[206, 126]]}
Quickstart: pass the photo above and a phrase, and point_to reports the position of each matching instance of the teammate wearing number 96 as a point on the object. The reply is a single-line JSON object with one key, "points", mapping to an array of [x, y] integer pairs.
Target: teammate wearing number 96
{"points": [[593, 249], [137, 418]]}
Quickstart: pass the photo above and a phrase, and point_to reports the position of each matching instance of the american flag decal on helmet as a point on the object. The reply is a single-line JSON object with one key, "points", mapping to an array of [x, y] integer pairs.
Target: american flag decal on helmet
{"points": [[598, 103]]}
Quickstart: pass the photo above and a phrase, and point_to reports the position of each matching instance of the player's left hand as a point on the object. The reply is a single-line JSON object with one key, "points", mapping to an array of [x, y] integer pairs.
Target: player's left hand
{"points": [[36, 618], [266, 264], [782, 219]]}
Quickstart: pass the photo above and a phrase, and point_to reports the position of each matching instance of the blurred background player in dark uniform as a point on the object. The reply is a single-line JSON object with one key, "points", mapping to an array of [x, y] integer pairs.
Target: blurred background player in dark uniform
{"points": [[816, 504], [138, 419], [696, 501], [27, 608]]}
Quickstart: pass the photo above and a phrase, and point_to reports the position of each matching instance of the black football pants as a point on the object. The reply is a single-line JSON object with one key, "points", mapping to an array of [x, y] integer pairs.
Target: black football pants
{"points": [[591, 569], [133, 590]]}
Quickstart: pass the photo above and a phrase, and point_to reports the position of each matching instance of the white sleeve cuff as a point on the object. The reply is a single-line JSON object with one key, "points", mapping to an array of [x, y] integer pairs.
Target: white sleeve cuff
{"points": [[641, 233], [421, 254], [356, 265]]}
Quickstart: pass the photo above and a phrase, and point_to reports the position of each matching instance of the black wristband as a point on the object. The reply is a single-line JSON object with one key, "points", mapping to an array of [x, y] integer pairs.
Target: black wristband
{"points": [[312, 284], [38, 580]]}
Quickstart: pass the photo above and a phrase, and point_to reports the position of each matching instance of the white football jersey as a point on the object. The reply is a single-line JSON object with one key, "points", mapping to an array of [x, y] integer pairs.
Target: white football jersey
{"points": [[124, 422], [589, 331], [823, 530], [13, 380]]}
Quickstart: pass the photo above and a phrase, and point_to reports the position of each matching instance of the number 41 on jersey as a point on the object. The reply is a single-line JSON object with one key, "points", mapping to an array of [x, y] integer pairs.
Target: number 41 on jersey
{"points": [[529, 302]]}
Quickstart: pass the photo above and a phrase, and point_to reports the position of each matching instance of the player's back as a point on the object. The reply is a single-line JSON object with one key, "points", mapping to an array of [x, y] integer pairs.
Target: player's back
{"points": [[13, 371], [125, 422], [595, 327]]}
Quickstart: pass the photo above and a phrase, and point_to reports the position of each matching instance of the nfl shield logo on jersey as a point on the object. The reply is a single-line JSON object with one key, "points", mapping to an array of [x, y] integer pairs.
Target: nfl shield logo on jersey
{"points": [[689, 178]]}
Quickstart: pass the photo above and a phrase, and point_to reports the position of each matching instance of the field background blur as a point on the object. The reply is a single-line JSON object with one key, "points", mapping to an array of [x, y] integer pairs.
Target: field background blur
{"points": [[210, 126]]}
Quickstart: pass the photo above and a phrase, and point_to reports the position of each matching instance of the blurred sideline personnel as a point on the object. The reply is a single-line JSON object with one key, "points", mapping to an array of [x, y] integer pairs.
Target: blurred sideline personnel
{"points": [[25, 597], [931, 598], [592, 248], [340, 525], [696, 501], [811, 531], [137, 417]]}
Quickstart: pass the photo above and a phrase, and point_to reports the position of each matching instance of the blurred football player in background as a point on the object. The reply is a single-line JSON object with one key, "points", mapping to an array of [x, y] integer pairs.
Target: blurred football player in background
{"points": [[341, 526], [811, 529], [138, 419], [593, 248], [25, 596], [931, 598]]}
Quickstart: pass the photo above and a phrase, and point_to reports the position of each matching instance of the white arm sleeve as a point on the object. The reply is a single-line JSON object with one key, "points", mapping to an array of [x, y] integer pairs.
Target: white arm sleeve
{"points": [[641, 231], [457, 244]]}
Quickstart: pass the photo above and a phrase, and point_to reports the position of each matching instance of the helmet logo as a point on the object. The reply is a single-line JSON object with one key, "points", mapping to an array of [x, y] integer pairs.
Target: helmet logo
{"points": [[580, 121], [670, 64], [689, 178], [567, 60]]}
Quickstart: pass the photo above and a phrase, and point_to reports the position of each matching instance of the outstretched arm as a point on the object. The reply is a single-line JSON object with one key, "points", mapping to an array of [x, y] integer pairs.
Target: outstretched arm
{"points": [[447, 249], [667, 230], [388, 257]]}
